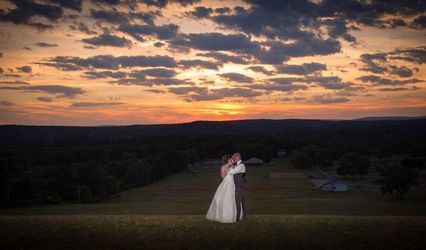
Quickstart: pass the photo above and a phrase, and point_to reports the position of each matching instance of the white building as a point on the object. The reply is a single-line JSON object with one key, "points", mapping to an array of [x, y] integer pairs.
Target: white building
{"points": [[282, 153], [254, 161], [333, 185]]}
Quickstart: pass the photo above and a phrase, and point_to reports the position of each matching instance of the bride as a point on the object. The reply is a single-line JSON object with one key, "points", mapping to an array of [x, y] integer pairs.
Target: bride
{"points": [[223, 208]]}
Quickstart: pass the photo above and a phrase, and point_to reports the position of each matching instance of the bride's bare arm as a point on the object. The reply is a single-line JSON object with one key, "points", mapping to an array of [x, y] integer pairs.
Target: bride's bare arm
{"points": [[224, 170]]}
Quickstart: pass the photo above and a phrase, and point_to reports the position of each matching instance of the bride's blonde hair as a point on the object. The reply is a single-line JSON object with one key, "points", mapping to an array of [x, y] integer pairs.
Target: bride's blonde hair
{"points": [[226, 158]]}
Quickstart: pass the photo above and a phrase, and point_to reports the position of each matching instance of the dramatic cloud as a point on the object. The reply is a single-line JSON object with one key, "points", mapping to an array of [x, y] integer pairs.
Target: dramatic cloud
{"points": [[138, 31], [278, 23], [260, 69], [69, 63], [222, 10], [27, 9], [224, 58], [369, 13], [108, 40], [61, 91], [328, 98], [286, 80], [397, 89], [201, 12], [278, 52], [414, 55], [105, 74], [155, 72], [25, 69], [70, 4], [187, 90], [116, 17], [139, 79], [159, 44], [247, 54], [373, 61], [327, 82], [15, 83], [236, 77], [386, 81], [45, 99], [45, 45], [83, 28], [197, 63], [111, 2], [6, 103], [206, 94], [419, 22], [274, 52], [401, 71], [304, 69], [147, 77], [215, 42], [164, 3], [279, 87], [94, 104], [379, 63]]}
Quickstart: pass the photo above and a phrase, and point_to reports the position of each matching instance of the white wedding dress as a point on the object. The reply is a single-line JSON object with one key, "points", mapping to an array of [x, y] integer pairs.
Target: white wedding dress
{"points": [[222, 208]]}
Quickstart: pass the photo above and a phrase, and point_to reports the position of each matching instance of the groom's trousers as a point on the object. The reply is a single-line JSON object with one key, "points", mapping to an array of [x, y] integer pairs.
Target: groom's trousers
{"points": [[239, 181], [240, 201]]}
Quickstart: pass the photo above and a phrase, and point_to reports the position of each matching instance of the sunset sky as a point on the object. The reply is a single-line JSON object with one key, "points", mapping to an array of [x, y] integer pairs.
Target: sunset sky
{"points": [[116, 62]]}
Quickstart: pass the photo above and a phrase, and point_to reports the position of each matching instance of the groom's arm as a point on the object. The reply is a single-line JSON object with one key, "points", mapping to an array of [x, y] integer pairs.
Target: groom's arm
{"points": [[240, 168]]}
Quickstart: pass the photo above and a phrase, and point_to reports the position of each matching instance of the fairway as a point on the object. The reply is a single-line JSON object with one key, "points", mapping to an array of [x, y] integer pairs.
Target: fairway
{"points": [[282, 213]]}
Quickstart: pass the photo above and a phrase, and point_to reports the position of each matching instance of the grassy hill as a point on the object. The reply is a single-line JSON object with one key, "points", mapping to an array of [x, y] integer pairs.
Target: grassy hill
{"points": [[194, 232], [169, 213], [190, 192]]}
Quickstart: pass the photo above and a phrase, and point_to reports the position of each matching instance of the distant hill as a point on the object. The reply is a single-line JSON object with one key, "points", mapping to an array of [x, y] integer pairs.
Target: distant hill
{"points": [[389, 118], [12, 133]]}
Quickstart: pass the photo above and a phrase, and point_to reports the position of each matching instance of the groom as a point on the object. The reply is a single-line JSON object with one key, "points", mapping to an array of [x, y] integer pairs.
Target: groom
{"points": [[239, 172]]}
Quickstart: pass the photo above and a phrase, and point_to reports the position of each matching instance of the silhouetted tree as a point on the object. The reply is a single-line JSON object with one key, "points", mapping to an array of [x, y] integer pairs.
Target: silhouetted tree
{"points": [[413, 163], [64, 183], [301, 159], [27, 188], [352, 164], [258, 150], [398, 178], [93, 175], [140, 173]]}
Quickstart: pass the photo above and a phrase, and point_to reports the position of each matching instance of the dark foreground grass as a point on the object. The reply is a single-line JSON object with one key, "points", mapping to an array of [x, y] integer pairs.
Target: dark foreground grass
{"points": [[194, 232]]}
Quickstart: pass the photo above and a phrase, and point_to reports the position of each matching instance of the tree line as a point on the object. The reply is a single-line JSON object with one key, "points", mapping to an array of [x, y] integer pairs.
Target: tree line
{"points": [[43, 167]]}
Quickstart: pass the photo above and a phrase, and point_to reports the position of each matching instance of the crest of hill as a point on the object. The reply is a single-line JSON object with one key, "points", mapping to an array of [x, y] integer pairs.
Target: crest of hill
{"points": [[197, 128]]}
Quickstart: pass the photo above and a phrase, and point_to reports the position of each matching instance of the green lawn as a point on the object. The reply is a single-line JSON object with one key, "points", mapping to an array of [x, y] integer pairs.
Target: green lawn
{"points": [[169, 214], [194, 232], [190, 193]]}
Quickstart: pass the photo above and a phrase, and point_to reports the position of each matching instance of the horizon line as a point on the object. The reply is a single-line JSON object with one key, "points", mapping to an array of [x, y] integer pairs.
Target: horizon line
{"points": [[389, 118]]}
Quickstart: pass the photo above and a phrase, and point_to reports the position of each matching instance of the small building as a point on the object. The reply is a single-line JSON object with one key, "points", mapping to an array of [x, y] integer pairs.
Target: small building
{"points": [[282, 153], [333, 185], [254, 161]]}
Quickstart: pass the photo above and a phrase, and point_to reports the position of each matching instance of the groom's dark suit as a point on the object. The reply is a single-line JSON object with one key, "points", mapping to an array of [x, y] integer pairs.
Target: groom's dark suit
{"points": [[239, 180]]}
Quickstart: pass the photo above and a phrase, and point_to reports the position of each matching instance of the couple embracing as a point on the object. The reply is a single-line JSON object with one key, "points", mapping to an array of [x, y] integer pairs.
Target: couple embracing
{"points": [[228, 204]]}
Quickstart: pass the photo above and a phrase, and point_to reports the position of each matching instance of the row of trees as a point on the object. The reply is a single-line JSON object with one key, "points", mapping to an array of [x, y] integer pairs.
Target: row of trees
{"points": [[396, 178], [314, 155], [88, 168], [85, 181], [91, 170]]}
